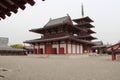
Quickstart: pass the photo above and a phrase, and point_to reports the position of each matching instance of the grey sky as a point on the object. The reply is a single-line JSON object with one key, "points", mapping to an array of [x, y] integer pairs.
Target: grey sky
{"points": [[105, 13]]}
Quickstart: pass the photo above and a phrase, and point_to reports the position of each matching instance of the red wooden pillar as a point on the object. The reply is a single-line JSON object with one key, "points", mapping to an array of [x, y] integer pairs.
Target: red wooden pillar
{"points": [[59, 47], [66, 47], [113, 55], [71, 48], [48, 48], [38, 48], [88, 50], [91, 49]]}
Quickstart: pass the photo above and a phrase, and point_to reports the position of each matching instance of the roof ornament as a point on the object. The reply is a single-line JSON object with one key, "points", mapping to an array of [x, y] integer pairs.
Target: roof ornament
{"points": [[82, 10], [67, 14], [50, 19]]}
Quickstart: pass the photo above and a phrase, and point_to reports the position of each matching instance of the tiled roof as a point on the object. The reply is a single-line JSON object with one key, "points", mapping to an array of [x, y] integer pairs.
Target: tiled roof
{"points": [[59, 21], [90, 31], [87, 25], [45, 40], [42, 30], [98, 43], [88, 37], [87, 19], [72, 38]]}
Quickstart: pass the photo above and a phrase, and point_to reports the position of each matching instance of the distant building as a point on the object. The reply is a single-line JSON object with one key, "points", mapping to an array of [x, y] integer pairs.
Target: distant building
{"points": [[6, 50], [99, 47], [3, 41]]}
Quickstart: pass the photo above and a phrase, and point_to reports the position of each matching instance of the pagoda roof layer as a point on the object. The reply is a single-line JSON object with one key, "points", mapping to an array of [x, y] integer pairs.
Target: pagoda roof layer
{"points": [[90, 31], [8, 6], [85, 19], [88, 37], [71, 38], [88, 25]]}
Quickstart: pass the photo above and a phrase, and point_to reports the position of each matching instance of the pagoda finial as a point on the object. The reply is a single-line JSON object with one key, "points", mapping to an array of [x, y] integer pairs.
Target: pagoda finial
{"points": [[82, 10]]}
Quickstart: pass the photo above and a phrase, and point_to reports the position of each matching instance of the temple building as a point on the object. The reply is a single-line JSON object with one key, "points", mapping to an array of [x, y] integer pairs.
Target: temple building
{"points": [[64, 36], [61, 36]]}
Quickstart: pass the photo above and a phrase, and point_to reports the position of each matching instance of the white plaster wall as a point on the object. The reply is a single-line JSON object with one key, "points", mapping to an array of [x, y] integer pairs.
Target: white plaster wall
{"points": [[36, 47], [81, 49], [56, 46], [77, 48], [43, 47], [69, 48], [63, 46], [73, 48]]}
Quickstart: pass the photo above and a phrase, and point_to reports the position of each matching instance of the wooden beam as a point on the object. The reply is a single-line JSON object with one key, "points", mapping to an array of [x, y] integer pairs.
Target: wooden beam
{"points": [[12, 8], [2, 5], [24, 1], [2, 15], [8, 6], [19, 4], [5, 11], [31, 2]]}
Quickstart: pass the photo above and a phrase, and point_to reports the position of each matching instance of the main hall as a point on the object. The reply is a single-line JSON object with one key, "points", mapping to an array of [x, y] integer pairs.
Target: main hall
{"points": [[64, 36]]}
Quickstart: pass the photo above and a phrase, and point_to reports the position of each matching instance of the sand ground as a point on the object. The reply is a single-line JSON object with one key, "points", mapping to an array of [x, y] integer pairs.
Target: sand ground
{"points": [[52, 67]]}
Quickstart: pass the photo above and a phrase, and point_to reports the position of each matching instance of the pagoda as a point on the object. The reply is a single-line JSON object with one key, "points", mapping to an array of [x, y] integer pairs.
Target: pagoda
{"points": [[61, 36]]}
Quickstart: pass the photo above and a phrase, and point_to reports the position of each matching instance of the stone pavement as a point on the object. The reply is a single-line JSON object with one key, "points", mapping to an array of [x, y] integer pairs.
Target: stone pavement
{"points": [[55, 67]]}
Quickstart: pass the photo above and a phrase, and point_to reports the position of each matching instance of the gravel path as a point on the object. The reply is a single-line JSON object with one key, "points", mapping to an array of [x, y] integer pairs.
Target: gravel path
{"points": [[52, 67]]}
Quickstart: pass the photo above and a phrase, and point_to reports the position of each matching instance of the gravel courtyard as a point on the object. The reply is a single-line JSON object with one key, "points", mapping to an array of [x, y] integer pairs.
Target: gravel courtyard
{"points": [[59, 67]]}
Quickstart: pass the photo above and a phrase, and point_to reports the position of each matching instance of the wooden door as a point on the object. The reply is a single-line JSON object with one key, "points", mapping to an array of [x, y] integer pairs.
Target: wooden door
{"points": [[61, 51], [48, 48]]}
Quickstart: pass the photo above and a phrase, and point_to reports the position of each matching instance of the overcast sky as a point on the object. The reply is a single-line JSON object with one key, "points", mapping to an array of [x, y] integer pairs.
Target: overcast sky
{"points": [[105, 13]]}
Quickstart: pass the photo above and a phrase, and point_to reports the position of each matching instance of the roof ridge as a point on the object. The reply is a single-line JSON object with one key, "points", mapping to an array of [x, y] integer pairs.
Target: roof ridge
{"points": [[58, 21]]}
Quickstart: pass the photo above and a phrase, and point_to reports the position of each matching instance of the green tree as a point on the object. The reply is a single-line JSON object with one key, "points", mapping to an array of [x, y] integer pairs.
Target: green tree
{"points": [[16, 46]]}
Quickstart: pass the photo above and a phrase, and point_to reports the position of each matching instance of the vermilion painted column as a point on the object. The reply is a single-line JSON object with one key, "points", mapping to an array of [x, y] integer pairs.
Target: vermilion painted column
{"points": [[71, 48], [59, 47], [66, 47], [88, 50], [113, 55]]}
